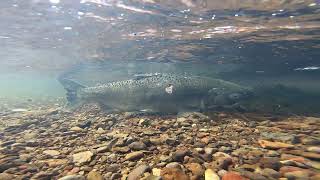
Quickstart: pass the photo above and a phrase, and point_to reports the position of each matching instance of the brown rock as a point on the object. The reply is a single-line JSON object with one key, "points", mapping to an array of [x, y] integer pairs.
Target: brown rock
{"points": [[315, 177], [134, 156], [286, 169], [232, 176], [310, 155], [94, 175], [271, 162], [211, 175], [6, 176], [274, 145], [55, 162], [137, 172], [173, 174], [82, 157], [271, 173], [301, 175], [51, 152], [195, 168]]}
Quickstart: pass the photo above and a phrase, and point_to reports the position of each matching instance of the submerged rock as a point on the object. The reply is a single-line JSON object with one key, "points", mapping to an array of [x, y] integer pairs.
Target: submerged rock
{"points": [[51, 152], [134, 156], [73, 177], [211, 175], [232, 176], [94, 175], [274, 145], [82, 157], [173, 174], [137, 172]]}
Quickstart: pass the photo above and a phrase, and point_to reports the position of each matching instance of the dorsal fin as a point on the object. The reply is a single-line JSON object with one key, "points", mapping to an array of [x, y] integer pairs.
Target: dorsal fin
{"points": [[147, 75]]}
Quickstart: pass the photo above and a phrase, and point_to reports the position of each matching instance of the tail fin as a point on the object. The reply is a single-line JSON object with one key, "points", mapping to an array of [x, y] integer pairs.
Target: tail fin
{"points": [[72, 88]]}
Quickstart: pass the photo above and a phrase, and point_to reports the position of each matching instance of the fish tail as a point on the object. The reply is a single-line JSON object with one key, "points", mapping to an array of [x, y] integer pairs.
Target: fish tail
{"points": [[72, 89]]}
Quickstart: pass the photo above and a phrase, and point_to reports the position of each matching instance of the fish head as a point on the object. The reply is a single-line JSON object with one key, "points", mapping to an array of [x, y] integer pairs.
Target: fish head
{"points": [[231, 97], [240, 95]]}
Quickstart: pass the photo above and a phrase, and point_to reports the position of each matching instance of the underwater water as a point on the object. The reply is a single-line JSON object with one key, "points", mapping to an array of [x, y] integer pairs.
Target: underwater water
{"points": [[149, 89]]}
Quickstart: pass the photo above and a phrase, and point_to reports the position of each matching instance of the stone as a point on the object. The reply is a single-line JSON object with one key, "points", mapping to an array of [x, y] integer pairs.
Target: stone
{"points": [[76, 129], [116, 176], [44, 175], [137, 146], [222, 172], [82, 157], [55, 162], [100, 131], [73, 177], [179, 155], [195, 168], [173, 165], [173, 174], [222, 160], [315, 177], [113, 168], [252, 175], [85, 124], [153, 177], [30, 135], [301, 175], [121, 149], [156, 172], [310, 155], [209, 151], [315, 149], [138, 172], [6, 176], [51, 152], [309, 140], [134, 156], [285, 169], [232, 176], [274, 145], [94, 175], [209, 174], [267, 172], [270, 162]]}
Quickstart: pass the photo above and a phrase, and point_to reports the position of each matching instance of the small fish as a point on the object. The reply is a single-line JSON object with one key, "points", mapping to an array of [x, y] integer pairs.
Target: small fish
{"points": [[159, 93]]}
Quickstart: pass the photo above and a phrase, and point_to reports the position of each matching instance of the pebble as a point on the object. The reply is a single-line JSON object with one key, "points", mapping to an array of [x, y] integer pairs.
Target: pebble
{"points": [[173, 174], [82, 157], [232, 176], [195, 168], [314, 149], [51, 152], [134, 156], [270, 162], [274, 145], [136, 146], [94, 175], [6, 176], [76, 129], [211, 175], [156, 172], [301, 175], [137, 172], [271, 173], [73, 177]]}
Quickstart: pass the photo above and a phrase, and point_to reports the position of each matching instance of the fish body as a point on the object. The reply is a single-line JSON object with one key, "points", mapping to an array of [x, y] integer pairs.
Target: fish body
{"points": [[158, 93]]}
